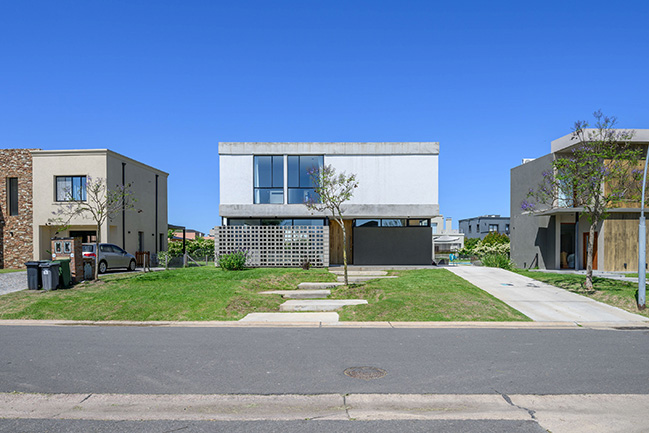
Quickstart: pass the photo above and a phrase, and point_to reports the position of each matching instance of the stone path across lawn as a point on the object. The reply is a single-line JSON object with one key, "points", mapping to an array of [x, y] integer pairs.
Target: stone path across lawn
{"points": [[13, 282]]}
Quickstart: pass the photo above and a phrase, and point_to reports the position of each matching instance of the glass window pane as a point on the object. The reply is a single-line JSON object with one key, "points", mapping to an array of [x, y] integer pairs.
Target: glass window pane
{"points": [[309, 222], [63, 188], [12, 193], [307, 163], [270, 222], [293, 171], [393, 223], [368, 223], [278, 171], [263, 171]]}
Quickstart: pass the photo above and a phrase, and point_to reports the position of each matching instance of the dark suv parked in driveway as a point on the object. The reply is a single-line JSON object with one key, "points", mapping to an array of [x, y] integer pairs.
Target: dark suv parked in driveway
{"points": [[110, 256]]}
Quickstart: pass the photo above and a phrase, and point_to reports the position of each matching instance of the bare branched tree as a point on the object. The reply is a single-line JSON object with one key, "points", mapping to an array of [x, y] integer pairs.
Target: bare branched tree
{"points": [[331, 191], [98, 202]]}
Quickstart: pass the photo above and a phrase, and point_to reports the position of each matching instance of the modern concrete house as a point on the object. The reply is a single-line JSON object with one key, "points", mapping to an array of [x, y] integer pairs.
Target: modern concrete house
{"points": [[388, 219], [34, 187], [556, 237], [479, 227]]}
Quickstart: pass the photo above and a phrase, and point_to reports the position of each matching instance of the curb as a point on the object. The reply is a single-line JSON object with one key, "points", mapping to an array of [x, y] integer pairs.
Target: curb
{"points": [[347, 325]]}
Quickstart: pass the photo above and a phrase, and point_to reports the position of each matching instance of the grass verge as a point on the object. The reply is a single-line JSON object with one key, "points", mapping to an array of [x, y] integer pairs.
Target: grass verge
{"points": [[621, 294], [205, 293], [423, 295], [6, 271]]}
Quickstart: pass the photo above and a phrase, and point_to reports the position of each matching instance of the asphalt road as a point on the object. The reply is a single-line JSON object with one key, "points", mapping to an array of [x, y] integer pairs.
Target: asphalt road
{"points": [[154, 360]]}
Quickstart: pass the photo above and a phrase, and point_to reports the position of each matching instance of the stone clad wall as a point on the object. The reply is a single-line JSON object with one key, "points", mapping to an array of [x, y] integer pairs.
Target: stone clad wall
{"points": [[16, 232]]}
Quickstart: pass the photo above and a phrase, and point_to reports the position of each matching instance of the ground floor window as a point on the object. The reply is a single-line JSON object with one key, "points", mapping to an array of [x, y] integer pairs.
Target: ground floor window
{"points": [[567, 255], [391, 222]]}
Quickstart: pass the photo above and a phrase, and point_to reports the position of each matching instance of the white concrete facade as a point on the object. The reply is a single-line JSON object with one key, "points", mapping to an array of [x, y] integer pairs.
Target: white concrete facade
{"points": [[148, 220], [395, 179]]}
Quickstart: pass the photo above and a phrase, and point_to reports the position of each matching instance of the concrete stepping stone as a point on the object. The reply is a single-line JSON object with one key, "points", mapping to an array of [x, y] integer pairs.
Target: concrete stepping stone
{"points": [[358, 273], [299, 294], [318, 286], [354, 279], [291, 317], [319, 305]]}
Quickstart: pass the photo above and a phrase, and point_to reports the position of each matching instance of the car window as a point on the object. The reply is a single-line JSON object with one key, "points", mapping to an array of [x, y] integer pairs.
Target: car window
{"points": [[106, 248], [88, 248], [118, 249]]}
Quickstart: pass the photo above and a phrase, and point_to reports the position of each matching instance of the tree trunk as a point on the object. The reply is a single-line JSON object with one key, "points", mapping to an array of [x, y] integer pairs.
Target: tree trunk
{"points": [[342, 225], [589, 257], [97, 241]]}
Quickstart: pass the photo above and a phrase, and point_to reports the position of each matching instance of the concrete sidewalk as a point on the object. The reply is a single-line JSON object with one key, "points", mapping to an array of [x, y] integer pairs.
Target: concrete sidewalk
{"points": [[539, 301]]}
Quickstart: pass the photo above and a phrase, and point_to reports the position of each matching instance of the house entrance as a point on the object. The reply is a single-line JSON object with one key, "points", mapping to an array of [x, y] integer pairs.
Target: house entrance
{"points": [[585, 248], [85, 235], [567, 254]]}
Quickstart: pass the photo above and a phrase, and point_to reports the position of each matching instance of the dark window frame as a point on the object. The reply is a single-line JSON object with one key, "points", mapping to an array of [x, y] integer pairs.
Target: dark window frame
{"points": [[13, 207], [300, 187], [83, 189], [272, 168]]}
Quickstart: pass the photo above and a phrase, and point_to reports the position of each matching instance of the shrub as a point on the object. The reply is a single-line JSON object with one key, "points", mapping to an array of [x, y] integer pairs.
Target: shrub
{"points": [[235, 261], [495, 260], [495, 238]]}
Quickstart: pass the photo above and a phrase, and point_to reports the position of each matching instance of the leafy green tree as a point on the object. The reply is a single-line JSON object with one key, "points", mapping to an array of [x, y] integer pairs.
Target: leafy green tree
{"points": [[332, 190], [598, 174]]}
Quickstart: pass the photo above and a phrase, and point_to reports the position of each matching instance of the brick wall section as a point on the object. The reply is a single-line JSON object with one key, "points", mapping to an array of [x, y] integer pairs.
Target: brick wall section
{"points": [[16, 231]]}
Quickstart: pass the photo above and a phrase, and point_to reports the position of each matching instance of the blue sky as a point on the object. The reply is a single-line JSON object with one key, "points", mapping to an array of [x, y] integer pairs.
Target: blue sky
{"points": [[164, 81]]}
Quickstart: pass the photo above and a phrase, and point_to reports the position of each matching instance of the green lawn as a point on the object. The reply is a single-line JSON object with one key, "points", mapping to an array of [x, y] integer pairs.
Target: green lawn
{"points": [[205, 293], [620, 294], [424, 295], [209, 293], [6, 271]]}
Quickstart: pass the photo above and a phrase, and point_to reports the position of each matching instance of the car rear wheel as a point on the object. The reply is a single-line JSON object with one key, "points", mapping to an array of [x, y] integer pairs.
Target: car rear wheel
{"points": [[131, 266], [103, 266]]}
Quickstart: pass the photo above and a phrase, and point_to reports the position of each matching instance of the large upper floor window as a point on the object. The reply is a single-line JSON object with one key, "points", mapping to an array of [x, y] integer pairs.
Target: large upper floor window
{"points": [[70, 188], [493, 227], [12, 195], [300, 184], [269, 179]]}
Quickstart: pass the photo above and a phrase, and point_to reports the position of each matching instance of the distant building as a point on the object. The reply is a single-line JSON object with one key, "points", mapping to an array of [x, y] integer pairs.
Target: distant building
{"points": [[190, 235], [481, 226], [445, 239]]}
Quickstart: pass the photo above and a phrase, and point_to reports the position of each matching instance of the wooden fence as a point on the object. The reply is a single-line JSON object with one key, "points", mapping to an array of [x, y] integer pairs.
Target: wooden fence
{"points": [[275, 246]]}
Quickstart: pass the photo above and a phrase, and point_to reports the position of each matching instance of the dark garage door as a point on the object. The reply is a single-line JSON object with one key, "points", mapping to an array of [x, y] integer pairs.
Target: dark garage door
{"points": [[393, 245]]}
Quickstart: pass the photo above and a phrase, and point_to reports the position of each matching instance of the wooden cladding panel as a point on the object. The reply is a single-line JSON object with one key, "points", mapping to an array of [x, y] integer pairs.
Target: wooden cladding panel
{"points": [[621, 236], [336, 242]]}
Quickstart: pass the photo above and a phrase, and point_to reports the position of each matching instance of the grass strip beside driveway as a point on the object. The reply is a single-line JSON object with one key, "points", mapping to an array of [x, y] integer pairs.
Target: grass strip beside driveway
{"points": [[424, 295], [205, 293], [621, 294]]}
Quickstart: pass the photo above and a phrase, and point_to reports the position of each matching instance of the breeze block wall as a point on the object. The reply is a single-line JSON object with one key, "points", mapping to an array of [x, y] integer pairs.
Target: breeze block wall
{"points": [[16, 231], [275, 246]]}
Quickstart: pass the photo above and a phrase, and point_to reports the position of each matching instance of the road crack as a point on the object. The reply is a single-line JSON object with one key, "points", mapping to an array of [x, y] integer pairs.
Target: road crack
{"points": [[346, 407], [511, 403], [87, 397]]}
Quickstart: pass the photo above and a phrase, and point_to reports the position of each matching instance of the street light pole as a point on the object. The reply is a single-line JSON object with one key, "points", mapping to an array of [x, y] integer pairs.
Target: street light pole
{"points": [[642, 240]]}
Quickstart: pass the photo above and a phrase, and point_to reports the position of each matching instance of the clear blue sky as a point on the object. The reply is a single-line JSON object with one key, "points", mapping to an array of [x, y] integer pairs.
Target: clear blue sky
{"points": [[164, 81]]}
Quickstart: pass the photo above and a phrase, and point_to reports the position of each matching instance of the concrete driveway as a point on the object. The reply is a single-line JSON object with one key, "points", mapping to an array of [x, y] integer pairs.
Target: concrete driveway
{"points": [[13, 282], [539, 301]]}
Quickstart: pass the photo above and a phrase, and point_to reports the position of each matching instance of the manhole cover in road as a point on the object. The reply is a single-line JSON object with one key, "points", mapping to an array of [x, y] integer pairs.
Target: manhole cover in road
{"points": [[365, 373]]}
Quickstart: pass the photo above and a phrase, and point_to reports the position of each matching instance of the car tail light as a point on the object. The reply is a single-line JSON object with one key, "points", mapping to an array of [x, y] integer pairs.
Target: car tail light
{"points": [[89, 255]]}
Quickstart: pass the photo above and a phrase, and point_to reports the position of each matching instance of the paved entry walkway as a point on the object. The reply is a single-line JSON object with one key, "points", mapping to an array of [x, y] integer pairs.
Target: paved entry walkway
{"points": [[539, 301]]}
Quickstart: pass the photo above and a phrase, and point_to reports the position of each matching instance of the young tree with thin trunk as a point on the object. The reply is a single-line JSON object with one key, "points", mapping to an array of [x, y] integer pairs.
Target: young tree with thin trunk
{"points": [[331, 191], [98, 202], [602, 172]]}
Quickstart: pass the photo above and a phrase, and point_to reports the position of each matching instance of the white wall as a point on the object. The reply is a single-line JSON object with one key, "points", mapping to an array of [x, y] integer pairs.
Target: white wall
{"points": [[236, 179], [383, 179], [391, 179]]}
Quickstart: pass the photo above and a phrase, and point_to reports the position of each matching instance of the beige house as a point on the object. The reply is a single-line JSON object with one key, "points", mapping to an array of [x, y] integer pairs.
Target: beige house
{"points": [[35, 188]]}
